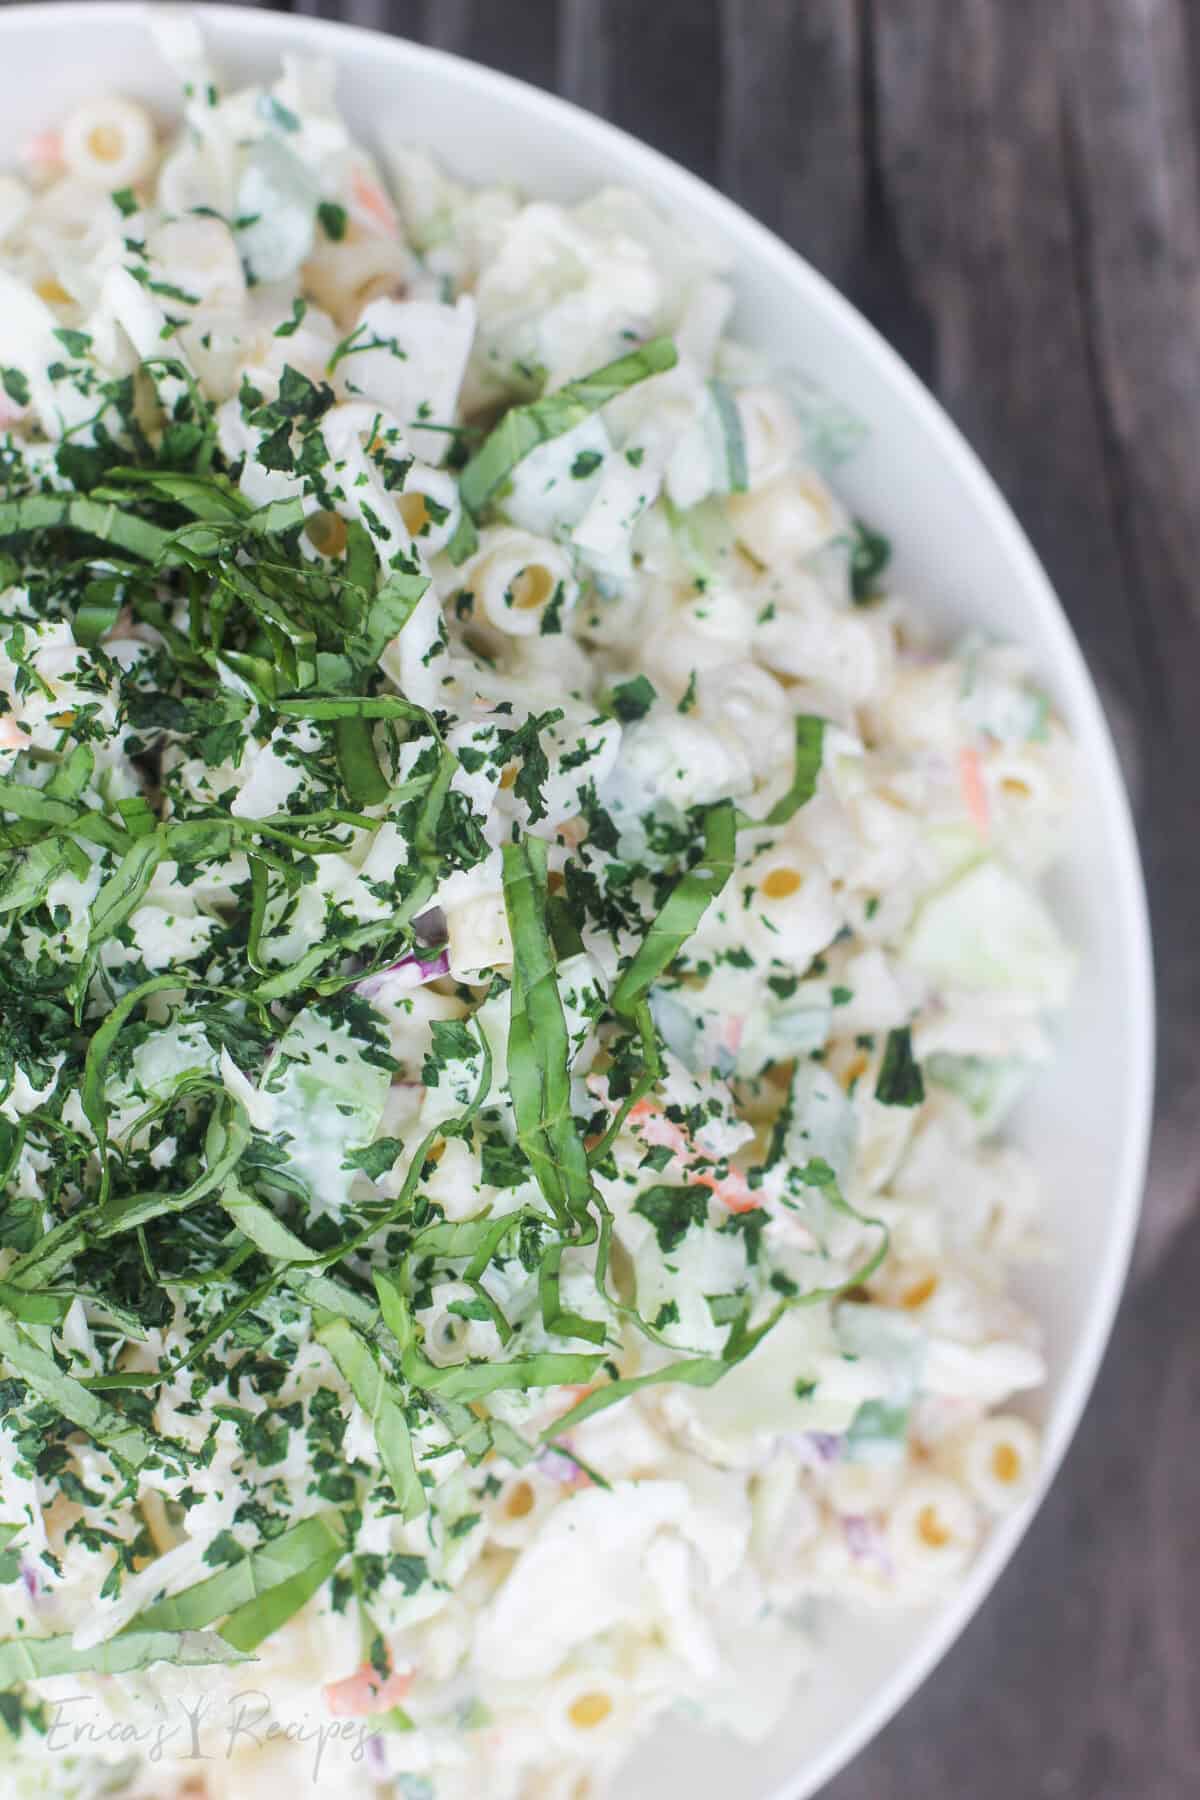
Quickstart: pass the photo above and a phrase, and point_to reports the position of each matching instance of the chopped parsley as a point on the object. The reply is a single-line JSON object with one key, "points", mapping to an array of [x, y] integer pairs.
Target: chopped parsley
{"points": [[900, 1081], [292, 325], [632, 699], [333, 220], [672, 1212]]}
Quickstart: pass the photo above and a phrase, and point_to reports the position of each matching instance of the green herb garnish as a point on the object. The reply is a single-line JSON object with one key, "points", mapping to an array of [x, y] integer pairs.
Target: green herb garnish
{"points": [[525, 427], [900, 1081]]}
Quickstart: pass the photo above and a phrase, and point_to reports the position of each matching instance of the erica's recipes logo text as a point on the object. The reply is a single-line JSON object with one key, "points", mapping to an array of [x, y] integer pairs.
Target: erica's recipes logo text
{"points": [[203, 1730]]}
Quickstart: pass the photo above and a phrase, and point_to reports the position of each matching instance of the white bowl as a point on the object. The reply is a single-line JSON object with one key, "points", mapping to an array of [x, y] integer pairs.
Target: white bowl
{"points": [[959, 549]]}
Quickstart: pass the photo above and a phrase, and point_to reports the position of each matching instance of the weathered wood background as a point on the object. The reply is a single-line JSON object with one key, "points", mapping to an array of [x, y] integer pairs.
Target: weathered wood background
{"points": [[1009, 189]]}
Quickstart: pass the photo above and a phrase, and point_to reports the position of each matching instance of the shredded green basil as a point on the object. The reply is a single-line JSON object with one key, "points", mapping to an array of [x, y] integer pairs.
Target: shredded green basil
{"points": [[686, 905], [523, 428], [35, 1659]]}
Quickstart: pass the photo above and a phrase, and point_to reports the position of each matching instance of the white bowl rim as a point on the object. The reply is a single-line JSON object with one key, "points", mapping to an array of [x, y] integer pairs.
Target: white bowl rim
{"points": [[323, 36]]}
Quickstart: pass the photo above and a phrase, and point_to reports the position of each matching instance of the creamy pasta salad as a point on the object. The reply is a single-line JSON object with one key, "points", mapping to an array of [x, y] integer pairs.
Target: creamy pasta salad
{"points": [[515, 956]]}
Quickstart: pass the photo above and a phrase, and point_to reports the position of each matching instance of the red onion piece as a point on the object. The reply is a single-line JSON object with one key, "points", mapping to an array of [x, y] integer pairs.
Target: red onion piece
{"points": [[826, 1446], [865, 1541], [410, 972]]}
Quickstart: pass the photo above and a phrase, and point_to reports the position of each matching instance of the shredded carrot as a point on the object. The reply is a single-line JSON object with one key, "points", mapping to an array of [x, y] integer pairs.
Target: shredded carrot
{"points": [[970, 771], [370, 199], [366, 1691], [654, 1126], [732, 1190], [43, 150]]}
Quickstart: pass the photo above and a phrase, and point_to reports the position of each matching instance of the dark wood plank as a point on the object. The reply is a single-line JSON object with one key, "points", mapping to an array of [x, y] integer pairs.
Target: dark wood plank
{"points": [[655, 69], [1130, 135], [519, 39], [792, 146], [585, 53], [971, 176], [377, 15]]}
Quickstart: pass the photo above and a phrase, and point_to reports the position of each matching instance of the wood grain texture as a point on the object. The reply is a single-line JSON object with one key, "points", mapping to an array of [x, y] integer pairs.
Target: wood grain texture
{"points": [[1011, 190], [1130, 103], [785, 64]]}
